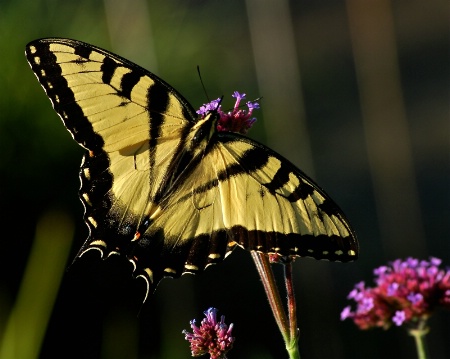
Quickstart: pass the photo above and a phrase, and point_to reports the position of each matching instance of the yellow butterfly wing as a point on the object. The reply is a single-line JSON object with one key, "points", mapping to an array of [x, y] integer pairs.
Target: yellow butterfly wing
{"points": [[130, 122], [243, 193], [162, 186]]}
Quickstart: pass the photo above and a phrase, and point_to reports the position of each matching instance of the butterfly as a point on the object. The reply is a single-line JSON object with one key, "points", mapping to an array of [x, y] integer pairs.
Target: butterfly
{"points": [[163, 186]]}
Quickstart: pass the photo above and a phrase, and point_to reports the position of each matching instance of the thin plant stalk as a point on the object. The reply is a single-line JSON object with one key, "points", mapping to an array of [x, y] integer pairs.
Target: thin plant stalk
{"points": [[419, 338], [291, 303], [287, 326]]}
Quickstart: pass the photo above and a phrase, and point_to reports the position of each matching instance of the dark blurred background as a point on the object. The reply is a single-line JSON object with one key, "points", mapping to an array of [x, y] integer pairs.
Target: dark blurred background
{"points": [[355, 93]]}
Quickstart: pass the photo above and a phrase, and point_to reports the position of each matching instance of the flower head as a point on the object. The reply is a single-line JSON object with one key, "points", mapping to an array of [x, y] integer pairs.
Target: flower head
{"points": [[211, 337], [406, 292], [237, 120]]}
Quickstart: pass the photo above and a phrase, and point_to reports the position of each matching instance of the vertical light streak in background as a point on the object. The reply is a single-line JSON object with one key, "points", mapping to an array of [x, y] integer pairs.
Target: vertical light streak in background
{"points": [[279, 81], [29, 317], [277, 69], [386, 128], [130, 31]]}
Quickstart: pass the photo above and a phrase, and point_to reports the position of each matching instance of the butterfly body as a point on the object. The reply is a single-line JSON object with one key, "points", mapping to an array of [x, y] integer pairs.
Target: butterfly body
{"points": [[162, 186]]}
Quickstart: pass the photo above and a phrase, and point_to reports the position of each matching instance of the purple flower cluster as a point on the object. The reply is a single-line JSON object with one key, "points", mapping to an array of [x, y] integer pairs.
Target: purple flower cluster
{"points": [[211, 337], [406, 292], [236, 120]]}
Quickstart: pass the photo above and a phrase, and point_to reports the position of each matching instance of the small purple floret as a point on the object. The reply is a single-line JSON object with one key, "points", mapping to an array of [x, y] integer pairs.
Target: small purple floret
{"points": [[346, 313], [208, 107], [415, 298], [399, 317]]}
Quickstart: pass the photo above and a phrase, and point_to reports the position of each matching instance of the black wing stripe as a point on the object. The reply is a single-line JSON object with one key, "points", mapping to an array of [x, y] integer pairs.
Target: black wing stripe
{"points": [[108, 68], [82, 51], [157, 99], [251, 160], [302, 191], [280, 178], [156, 119], [128, 82]]}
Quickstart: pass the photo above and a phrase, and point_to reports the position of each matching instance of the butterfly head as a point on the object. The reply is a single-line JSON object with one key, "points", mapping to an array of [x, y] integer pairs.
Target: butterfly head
{"points": [[202, 131]]}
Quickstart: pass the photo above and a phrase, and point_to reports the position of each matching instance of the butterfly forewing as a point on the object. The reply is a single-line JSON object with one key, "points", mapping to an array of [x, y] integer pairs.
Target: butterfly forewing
{"points": [[261, 201]]}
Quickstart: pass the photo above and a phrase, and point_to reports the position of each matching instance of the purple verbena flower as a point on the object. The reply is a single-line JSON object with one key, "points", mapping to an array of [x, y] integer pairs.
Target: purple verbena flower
{"points": [[238, 96], [399, 317], [237, 120], [211, 337], [347, 313], [415, 298], [392, 289], [210, 106], [406, 292]]}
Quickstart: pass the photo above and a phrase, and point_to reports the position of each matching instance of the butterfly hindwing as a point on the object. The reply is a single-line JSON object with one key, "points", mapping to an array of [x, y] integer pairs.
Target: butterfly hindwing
{"points": [[162, 186]]}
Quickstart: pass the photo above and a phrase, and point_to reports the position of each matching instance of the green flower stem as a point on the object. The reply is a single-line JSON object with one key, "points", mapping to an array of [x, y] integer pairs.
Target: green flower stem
{"points": [[419, 338], [293, 351], [265, 271]]}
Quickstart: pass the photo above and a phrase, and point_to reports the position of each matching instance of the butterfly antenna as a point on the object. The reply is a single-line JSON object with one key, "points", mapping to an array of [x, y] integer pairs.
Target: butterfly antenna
{"points": [[220, 102], [203, 85]]}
